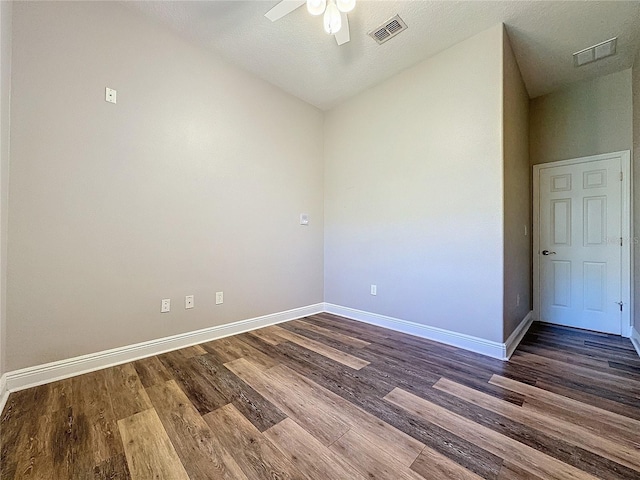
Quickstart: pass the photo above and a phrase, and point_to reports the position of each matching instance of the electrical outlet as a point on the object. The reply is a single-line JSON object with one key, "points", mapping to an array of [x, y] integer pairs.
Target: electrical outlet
{"points": [[166, 305], [374, 289], [188, 301], [219, 298]]}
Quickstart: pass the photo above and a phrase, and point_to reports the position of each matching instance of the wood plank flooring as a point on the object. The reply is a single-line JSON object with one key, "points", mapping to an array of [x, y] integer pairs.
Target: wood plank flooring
{"points": [[329, 398]]}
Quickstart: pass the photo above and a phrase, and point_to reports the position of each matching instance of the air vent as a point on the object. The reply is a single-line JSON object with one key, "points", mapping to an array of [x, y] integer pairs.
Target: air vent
{"points": [[596, 52], [388, 29]]}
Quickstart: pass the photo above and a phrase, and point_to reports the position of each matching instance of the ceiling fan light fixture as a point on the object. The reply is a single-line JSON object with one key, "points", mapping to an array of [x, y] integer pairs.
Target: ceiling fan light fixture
{"points": [[332, 19], [316, 7], [345, 6]]}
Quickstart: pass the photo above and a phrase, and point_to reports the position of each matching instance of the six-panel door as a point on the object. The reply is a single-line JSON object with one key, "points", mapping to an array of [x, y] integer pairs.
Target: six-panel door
{"points": [[580, 252]]}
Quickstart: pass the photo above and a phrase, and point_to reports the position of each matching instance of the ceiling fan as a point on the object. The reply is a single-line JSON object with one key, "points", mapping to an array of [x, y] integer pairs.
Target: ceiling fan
{"points": [[335, 12]]}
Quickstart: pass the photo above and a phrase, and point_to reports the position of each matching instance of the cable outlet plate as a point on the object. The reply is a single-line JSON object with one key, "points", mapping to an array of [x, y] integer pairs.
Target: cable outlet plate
{"points": [[188, 302], [110, 95]]}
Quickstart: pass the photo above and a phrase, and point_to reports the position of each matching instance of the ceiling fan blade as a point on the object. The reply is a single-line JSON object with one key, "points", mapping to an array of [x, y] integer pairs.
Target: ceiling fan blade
{"points": [[343, 35], [283, 8]]}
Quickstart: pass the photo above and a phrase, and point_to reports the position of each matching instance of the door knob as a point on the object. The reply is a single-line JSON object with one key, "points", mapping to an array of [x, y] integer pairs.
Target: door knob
{"points": [[547, 252]]}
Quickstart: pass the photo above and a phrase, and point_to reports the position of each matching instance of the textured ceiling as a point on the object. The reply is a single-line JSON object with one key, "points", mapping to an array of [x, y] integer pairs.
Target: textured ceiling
{"points": [[295, 54]]}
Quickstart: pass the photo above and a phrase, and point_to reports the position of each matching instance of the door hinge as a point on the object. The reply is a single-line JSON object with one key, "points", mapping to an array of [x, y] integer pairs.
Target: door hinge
{"points": [[620, 241], [620, 176], [621, 304]]}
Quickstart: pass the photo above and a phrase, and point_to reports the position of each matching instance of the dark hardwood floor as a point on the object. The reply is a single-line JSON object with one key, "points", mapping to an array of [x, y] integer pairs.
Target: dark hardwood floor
{"points": [[330, 398]]}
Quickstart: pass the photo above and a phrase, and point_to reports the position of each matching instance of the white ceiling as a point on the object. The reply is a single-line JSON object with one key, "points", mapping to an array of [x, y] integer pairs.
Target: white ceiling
{"points": [[295, 54]]}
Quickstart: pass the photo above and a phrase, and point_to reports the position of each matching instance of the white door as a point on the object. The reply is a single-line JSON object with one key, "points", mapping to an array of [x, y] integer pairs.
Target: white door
{"points": [[579, 245]]}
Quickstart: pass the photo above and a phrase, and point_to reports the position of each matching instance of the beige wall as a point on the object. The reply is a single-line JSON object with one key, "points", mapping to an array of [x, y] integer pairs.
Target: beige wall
{"points": [[586, 118], [517, 194], [5, 96], [413, 193], [636, 182], [192, 183]]}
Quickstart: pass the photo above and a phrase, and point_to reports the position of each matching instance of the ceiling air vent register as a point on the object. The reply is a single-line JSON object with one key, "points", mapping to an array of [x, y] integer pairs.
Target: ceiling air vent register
{"points": [[388, 29], [596, 52]]}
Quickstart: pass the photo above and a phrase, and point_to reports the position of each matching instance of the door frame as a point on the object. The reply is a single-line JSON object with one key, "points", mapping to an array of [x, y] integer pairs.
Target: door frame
{"points": [[626, 281]]}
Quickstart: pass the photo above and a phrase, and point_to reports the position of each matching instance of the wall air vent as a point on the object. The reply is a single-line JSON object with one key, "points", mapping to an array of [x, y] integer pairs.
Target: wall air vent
{"points": [[388, 29], [596, 52]]}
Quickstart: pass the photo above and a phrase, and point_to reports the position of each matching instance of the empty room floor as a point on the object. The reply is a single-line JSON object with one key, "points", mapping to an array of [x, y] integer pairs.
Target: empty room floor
{"points": [[330, 398]]}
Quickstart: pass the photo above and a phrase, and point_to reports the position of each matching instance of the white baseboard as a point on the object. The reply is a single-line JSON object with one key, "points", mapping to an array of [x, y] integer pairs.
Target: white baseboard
{"points": [[501, 351], [4, 392], [50, 372], [517, 335], [635, 339]]}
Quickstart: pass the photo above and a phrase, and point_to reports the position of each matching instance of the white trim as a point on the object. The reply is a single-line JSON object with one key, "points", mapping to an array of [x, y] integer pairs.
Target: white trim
{"points": [[467, 342], [626, 287], [627, 230], [518, 334], [635, 339], [54, 371], [4, 393], [51, 372], [536, 243]]}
